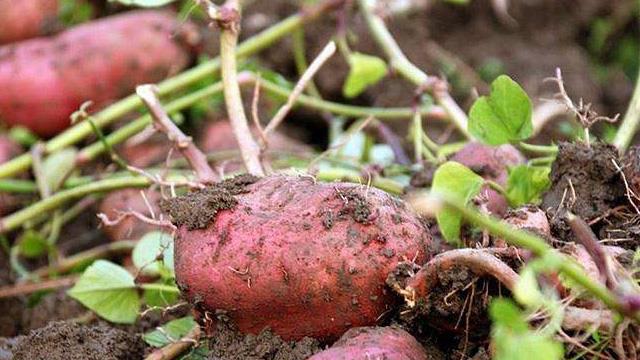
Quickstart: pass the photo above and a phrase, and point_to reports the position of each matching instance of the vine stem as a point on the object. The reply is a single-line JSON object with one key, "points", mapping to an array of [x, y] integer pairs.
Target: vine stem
{"points": [[115, 111], [432, 203], [228, 19], [408, 70], [171, 351], [630, 122]]}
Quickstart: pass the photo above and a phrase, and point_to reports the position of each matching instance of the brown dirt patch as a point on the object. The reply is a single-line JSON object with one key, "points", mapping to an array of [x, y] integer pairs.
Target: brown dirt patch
{"points": [[228, 344], [53, 307], [584, 180], [69, 341], [197, 209]]}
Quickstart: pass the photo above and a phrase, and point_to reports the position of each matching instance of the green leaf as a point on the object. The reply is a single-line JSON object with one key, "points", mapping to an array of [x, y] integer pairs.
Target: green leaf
{"points": [[455, 180], [171, 332], [144, 3], [150, 247], [527, 291], [526, 184], [365, 70], [502, 117], [512, 338], [32, 244], [57, 166], [108, 290]]}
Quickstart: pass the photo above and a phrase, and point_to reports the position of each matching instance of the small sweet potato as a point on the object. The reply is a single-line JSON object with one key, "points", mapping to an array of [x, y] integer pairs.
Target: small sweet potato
{"points": [[45, 80], [219, 136], [492, 164], [25, 19], [8, 149], [365, 343], [124, 200], [300, 257]]}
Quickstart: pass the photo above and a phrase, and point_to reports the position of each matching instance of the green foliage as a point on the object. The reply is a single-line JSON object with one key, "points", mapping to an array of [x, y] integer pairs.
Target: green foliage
{"points": [[456, 180], [512, 338], [152, 247], [32, 244], [73, 12], [365, 70], [169, 332], [526, 184], [57, 167], [23, 136], [504, 116], [144, 3], [109, 290]]}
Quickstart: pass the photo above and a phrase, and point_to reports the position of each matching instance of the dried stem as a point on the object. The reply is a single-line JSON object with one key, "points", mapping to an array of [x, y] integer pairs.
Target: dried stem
{"points": [[174, 349], [25, 289], [195, 157], [316, 64], [228, 19]]}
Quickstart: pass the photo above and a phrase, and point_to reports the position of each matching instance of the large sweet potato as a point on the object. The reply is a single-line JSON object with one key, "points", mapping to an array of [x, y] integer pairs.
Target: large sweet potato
{"points": [[492, 164], [44, 80], [365, 343], [300, 257], [25, 19]]}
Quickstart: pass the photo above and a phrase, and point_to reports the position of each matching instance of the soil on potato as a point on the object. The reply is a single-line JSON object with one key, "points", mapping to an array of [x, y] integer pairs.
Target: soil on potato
{"points": [[585, 181], [70, 341], [228, 344]]}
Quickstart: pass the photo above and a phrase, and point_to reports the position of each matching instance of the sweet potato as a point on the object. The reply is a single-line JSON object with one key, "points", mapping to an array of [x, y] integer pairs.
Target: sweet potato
{"points": [[364, 343], [219, 136], [8, 149], [44, 80], [492, 164], [529, 218], [26, 19], [300, 257]]}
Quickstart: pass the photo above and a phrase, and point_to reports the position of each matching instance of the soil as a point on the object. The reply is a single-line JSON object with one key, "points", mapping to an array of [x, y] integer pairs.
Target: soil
{"points": [[585, 181], [52, 307], [69, 341], [228, 344], [197, 209]]}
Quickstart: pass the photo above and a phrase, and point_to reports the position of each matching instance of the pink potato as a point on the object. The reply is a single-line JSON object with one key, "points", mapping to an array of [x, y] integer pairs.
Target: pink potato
{"points": [[8, 149], [23, 19], [287, 253], [130, 228], [492, 164], [365, 343], [45, 80]]}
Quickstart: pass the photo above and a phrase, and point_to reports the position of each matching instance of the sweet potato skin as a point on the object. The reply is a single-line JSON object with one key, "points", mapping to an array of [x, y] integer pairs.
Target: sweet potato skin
{"points": [[129, 228], [25, 19], [44, 80], [492, 164], [284, 257], [389, 343]]}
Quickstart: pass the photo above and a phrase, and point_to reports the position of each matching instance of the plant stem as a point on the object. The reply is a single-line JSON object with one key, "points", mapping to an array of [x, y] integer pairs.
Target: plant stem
{"points": [[249, 148], [159, 287], [78, 259], [630, 122], [172, 350], [15, 220], [185, 79], [541, 149], [525, 240], [17, 186], [195, 157], [385, 184], [406, 68], [547, 160]]}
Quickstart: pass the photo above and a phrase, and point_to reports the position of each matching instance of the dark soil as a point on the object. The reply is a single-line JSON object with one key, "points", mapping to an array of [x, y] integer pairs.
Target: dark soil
{"points": [[228, 344], [585, 181], [197, 209], [69, 341], [53, 307]]}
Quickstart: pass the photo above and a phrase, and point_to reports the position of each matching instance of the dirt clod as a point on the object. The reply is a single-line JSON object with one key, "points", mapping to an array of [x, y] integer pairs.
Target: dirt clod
{"points": [[228, 344], [70, 341], [197, 209], [585, 181]]}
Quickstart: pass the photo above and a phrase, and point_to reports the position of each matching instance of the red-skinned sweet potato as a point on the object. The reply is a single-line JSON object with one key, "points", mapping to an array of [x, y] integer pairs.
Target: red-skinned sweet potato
{"points": [[8, 149], [45, 80], [365, 343], [26, 19], [300, 257], [129, 228], [492, 164]]}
